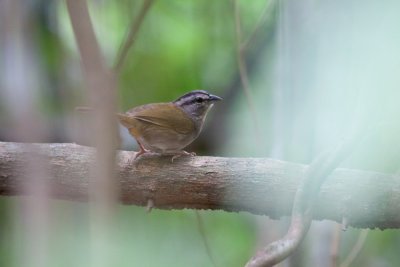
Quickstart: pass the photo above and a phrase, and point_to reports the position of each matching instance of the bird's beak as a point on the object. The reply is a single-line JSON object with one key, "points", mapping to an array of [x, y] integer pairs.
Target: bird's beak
{"points": [[215, 98]]}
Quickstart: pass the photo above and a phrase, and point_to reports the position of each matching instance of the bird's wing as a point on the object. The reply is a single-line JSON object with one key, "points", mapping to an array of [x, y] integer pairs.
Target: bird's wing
{"points": [[165, 115]]}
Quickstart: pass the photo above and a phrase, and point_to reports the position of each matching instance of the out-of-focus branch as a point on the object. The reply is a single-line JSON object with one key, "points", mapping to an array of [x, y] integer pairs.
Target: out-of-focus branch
{"points": [[244, 79], [255, 51], [20, 83], [303, 206], [335, 244], [267, 12], [131, 37], [202, 232], [256, 185], [356, 249], [101, 86]]}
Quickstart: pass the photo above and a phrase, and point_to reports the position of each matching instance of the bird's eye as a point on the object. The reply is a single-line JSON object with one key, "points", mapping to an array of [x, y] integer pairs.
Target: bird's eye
{"points": [[199, 99]]}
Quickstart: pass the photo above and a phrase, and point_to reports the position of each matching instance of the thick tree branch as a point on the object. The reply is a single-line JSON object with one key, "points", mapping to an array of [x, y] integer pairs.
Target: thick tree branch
{"points": [[260, 186]]}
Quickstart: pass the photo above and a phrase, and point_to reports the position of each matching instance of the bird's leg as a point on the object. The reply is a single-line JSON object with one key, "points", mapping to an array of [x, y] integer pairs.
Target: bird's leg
{"points": [[141, 151], [182, 153], [138, 154]]}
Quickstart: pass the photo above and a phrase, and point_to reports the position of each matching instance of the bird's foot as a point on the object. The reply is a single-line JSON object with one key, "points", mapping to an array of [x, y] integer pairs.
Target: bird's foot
{"points": [[138, 154]]}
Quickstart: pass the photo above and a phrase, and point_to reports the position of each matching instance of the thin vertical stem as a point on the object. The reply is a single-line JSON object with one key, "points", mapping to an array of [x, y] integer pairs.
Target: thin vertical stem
{"points": [[132, 34], [244, 79], [356, 249], [202, 231]]}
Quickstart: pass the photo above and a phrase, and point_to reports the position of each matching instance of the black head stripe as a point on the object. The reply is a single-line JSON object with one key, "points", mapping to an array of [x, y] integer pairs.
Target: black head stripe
{"points": [[191, 96]]}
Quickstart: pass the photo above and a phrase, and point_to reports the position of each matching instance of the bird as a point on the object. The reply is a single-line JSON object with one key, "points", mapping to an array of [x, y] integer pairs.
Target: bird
{"points": [[167, 128]]}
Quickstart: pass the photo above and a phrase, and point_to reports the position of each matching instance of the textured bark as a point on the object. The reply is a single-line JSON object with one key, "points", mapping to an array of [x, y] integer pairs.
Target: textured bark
{"points": [[256, 185]]}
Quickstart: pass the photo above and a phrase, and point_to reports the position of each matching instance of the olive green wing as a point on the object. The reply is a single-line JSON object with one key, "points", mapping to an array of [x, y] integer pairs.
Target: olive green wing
{"points": [[165, 115]]}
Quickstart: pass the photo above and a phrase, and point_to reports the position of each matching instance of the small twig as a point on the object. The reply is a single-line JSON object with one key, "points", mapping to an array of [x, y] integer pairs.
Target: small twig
{"points": [[132, 34], [261, 20], [356, 249], [244, 79], [150, 205], [345, 223], [83, 109], [202, 231]]}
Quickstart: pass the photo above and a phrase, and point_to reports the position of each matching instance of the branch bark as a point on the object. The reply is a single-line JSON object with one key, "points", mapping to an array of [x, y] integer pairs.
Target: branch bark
{"points": [[256, 185]]}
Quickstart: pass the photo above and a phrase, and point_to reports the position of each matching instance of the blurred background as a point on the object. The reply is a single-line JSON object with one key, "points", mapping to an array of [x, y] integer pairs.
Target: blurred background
{"points": [[316, 71]]}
